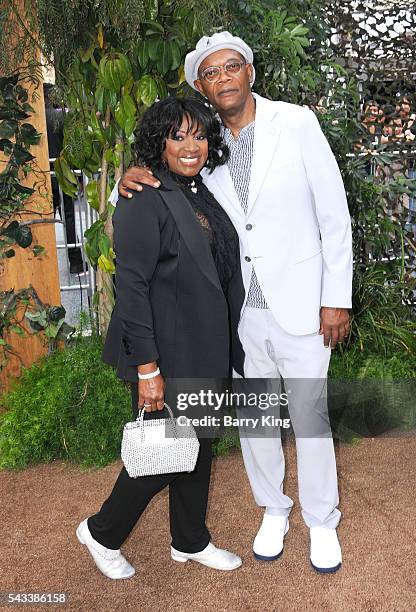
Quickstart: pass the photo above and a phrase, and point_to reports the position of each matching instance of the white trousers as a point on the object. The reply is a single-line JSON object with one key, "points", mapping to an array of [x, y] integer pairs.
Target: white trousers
{"points": [[302, 361]]}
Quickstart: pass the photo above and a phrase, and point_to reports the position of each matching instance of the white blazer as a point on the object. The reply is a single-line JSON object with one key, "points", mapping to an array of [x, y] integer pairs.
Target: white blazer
{"points": [[297, 230]]}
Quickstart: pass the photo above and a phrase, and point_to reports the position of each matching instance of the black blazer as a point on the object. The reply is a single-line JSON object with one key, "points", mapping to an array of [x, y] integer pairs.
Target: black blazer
{"points": [[170, 306]]}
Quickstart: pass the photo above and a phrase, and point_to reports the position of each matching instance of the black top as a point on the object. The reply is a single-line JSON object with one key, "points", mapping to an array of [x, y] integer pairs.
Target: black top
{"points": [[170, 303], [220, 232]]}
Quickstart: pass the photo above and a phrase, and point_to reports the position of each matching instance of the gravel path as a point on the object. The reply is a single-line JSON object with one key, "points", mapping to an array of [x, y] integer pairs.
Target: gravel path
{"points": [[41, 507]]}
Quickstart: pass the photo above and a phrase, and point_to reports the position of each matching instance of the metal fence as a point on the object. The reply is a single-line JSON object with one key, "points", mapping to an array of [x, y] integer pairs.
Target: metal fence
{"points": [[404, 165], [77, 282]]}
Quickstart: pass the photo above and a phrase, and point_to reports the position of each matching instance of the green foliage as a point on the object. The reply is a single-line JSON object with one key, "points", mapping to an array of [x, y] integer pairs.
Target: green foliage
{"points": [[288, 39], [19, 53], [364, 364], [17, 136], [98, 247], [70, 406], [382, 320], [112, 60], [226, 443], [383, 284], [66, 177], [22, 306], [371, 394], [77, 145]]}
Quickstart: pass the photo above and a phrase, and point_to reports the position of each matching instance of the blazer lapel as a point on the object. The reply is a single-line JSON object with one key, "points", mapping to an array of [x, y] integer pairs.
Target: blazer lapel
{"points": [[266, 139], [189, 227], [221, 185]]}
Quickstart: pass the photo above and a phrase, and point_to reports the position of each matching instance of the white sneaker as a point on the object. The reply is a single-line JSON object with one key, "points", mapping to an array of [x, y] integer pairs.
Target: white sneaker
{"points": [[326, 555], [110, 562], [268, 543], [211, 556]]}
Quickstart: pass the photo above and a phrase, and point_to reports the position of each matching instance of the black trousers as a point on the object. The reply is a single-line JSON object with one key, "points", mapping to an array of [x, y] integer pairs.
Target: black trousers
{"points": [[188, 498]]}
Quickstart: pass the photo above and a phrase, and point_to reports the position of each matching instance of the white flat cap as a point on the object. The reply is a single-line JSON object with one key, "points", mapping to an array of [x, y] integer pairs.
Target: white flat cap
{"points": [[210, 44]]}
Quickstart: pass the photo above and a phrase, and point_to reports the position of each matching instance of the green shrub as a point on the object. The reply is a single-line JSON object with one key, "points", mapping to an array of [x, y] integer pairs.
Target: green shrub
{"points": [[222, 446], [370, 394], [359, 364], [70, 406]]}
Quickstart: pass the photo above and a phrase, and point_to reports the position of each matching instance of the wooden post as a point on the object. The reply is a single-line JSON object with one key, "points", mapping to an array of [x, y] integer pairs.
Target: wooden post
{"points": [[25, 269]]}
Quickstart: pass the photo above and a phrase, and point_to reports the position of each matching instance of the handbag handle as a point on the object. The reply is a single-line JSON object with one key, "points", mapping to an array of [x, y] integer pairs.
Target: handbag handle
{"points": [[140, 420], [142, 412]]}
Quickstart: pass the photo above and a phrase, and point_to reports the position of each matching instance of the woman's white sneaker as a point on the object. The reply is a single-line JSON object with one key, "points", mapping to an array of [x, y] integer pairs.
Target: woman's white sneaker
{"points": [[326, 555], [211, 556], [110, 562]]}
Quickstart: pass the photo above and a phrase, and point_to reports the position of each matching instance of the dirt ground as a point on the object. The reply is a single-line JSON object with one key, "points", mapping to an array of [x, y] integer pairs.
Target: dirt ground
{"points": [[42, 506]]}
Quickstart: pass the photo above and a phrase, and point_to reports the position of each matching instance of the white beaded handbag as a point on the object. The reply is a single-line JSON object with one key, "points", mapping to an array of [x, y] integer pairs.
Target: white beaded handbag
{"points": [[158, 446]]}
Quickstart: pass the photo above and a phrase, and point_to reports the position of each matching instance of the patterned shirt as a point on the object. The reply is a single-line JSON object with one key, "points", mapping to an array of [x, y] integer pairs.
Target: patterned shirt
{"points": [[239, 165]]}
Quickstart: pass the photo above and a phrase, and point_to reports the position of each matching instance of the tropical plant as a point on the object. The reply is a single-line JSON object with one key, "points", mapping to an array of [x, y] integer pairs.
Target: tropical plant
{"points": [[17, 136], [289, 41], [125, 56], [111, 60], [23, 312]]}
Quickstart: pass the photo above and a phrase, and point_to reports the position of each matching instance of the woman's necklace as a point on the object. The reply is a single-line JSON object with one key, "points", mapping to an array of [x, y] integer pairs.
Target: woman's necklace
{"points": [[187, 181]]}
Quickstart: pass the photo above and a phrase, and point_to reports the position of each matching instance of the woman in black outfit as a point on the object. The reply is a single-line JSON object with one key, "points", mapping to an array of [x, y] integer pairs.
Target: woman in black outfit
{"points": [[179, 294]]}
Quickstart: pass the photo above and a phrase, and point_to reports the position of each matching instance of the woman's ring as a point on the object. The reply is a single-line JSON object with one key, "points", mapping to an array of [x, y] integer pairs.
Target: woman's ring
{"points": [[146, 405]]}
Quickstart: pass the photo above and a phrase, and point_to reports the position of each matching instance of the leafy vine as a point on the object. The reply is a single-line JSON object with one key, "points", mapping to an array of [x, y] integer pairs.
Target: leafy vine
{"points": [[17, 136]]}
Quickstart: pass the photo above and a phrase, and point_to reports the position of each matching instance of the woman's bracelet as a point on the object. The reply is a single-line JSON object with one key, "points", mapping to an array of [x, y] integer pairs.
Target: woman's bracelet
{"points": [[150, 375]]}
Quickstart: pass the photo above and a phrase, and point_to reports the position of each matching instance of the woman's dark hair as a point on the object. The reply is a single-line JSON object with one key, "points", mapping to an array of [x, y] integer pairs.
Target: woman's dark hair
{"points": [[164, 118]]}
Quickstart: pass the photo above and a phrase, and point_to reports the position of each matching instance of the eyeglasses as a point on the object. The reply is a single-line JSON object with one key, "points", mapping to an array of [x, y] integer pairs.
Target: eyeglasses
{"points": [[212, 73]]}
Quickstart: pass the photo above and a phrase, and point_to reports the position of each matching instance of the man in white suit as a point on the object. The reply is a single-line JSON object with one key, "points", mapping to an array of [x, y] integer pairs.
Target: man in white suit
{"points": [[283, 191]]}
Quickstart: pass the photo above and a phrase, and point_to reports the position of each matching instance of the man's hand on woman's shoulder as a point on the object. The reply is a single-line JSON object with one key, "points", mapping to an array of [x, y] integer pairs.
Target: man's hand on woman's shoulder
{"points": [[134, 178]]}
